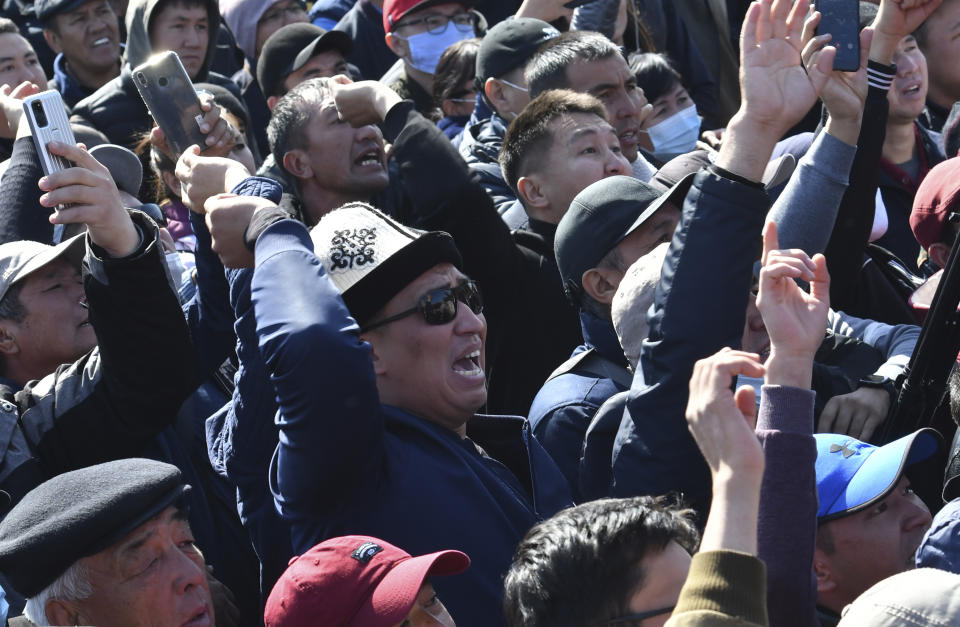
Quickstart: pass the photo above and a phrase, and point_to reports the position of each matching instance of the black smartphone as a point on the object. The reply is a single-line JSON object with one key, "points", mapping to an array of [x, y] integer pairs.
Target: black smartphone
{"points": [[173, 102], [841, 18]]}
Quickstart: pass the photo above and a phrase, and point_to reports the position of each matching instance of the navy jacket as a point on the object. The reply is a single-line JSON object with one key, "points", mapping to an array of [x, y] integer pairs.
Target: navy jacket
{"points": [[565, 405], [699, 308], [347, 464]]}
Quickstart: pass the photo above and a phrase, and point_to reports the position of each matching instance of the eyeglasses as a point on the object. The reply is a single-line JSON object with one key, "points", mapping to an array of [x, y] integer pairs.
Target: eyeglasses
{"points": [[436, 23], [514, 85], [439, 306], [631, 618]]}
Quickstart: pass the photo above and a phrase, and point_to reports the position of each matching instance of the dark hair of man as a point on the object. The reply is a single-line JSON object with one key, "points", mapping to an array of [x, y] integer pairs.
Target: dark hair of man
{"points": [[8, 26], [288, 121], [457, 65], [655, 74], [528, 137], [547, 69], [581, 566]]}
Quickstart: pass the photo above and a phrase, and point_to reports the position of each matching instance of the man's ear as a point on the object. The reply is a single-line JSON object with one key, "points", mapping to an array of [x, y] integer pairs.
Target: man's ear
{"points": [[599, 284], [297, 163], [272, 102], [61, 613], [822, 569], [379, 365], [494, 92], [531, 193], [397, 45], [939, 254], [8, 341], [52, 39]]}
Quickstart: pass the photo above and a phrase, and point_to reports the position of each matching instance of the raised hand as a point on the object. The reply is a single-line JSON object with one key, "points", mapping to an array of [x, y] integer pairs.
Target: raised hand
{"points": [[227, 217], [362, 103], [845, 92], [796, 320], [202, 177], [721, 421], [775, 90], [93, 198]]}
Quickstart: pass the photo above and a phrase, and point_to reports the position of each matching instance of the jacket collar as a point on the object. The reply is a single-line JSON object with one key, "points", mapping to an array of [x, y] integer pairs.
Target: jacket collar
{"points": [[600, 335]]}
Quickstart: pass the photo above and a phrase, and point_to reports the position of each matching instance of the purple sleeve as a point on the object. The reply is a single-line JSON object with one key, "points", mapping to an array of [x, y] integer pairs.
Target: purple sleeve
{"points": [[787, 526]]}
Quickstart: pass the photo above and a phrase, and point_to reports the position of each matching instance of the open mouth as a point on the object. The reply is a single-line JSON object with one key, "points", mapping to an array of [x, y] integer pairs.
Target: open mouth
{"points": [[469, 365], [368, 158], [102, 41], [628, 136], [913, 89]]}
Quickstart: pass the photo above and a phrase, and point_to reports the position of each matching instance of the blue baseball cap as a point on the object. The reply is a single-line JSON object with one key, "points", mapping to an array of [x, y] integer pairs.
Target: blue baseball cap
{"points": [[852, 475]]}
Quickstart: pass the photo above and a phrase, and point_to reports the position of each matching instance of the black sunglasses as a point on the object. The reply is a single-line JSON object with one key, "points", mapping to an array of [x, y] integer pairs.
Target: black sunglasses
{"points": [[439, 306], [632, 618]]}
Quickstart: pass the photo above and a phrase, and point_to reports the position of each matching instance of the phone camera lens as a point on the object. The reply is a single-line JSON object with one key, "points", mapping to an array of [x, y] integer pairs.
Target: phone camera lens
{"points": [[162, 81], [38, 113]]}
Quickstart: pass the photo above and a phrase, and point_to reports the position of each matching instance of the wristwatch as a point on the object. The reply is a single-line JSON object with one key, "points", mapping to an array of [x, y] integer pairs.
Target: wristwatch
{"points": [[878, 381]]}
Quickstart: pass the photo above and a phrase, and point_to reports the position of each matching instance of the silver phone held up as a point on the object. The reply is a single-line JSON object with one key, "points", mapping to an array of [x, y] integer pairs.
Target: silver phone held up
{"points": [[170, 97], [48, 119]]}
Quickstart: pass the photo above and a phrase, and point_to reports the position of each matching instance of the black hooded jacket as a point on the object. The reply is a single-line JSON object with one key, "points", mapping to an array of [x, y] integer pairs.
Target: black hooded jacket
{"points": [[116, 109]]}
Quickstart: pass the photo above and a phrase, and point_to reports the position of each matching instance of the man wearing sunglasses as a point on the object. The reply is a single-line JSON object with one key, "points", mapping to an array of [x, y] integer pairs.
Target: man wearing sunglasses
{"points": [[374, 341], [418, 31]]}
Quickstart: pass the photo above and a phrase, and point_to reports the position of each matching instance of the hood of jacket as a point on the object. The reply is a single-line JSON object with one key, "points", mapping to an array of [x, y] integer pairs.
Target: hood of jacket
{"points": [[140, 14], [481, 141]]}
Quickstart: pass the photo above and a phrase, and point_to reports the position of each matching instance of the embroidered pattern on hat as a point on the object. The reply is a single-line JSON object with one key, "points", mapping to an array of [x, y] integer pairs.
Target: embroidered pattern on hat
{"points": [[838, 448], [365, 552], [352, 247]]}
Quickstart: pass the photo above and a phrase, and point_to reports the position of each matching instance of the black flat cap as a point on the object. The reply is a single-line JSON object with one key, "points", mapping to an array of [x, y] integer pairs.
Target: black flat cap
{"points": [[509, 45], [600, 217], [80, 513], [45, 9], [288, 50]]}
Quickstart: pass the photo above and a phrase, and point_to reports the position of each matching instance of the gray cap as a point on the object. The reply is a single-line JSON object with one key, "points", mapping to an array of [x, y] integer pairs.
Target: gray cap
{"points": [[925, 597], [22, 258], [124, 166], [600, 217], [80, 513]]}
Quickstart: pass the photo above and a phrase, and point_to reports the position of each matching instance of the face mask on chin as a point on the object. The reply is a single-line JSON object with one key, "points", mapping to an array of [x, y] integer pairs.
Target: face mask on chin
{"points": [[676, 135], [426, 47]]}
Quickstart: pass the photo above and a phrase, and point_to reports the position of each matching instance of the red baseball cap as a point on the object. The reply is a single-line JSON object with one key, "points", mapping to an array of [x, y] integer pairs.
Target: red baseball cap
{"points": [[394, 10], [354, 581], [937, 197]]}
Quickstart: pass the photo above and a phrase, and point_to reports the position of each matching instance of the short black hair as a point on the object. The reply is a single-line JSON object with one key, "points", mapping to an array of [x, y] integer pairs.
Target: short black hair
{"points": [[528, 136], [457, 65], [288, 121], [547, 69], [581, 566], [655, 74]]}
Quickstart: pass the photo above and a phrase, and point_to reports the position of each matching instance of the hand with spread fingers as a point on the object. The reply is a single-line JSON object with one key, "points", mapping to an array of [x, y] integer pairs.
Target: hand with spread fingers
{"points": [[92, 198], [204, 176]]}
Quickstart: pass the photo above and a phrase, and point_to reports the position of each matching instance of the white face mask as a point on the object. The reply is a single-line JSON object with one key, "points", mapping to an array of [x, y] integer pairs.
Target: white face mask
{"points": [[676, 135], [426, 47]]}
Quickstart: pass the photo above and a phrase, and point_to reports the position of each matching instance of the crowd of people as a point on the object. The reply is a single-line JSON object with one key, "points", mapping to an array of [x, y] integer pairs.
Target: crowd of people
{"points": [[481, 312]]}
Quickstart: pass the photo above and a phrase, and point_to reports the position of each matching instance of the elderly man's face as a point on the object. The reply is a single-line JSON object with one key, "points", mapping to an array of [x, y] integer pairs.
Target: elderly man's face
{"points": [[433, 371], [154, 576]]}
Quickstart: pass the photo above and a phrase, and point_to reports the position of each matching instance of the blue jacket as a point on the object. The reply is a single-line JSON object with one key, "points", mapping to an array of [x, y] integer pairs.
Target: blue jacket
{"points": [[347, 464], [699, 308], [67, 84], [565, 405]]}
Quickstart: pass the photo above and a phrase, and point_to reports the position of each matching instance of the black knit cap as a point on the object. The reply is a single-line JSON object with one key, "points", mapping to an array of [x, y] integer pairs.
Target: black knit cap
{"points": [[46, 9], [289, 49], [510, 44], [80, 513], [600, 217]]}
